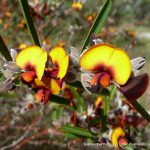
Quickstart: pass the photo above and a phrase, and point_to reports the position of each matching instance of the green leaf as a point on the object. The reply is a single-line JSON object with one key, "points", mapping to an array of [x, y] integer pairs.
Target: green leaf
{"points": [[78, 131], [76, 84], [59, 100], [71, 136], [4, 50], [29, 21], [99, 21], [105, 92], [141, 110]]}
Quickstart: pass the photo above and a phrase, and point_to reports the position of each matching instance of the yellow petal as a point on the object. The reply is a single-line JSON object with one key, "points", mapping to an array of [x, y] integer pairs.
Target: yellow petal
{"points": [[32, 59], [99, 101], [57, 54], [48, 83], [55, 88], [60, 58], [116, 134], [120, 66], [103, 57], [40, 65], [63, 67], [38, 83], [96, 57]]}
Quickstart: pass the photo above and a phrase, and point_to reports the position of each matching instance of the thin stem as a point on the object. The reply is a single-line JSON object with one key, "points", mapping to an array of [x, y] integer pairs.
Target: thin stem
{"points": [[112, 92], [104, 114], [29, 21], [81, 104]]}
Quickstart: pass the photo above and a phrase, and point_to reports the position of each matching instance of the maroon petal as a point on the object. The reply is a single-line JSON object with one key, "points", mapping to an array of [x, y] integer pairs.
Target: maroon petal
{"points": [[42, 96], [135, 87]]}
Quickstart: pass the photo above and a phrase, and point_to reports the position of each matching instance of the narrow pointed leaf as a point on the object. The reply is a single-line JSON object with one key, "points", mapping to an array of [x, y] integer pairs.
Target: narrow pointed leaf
{"points": [[29, 21], [59, 100], [76, 84], [71, 136], [99, 21], [141, 110], [77, 131], [4, 50]]}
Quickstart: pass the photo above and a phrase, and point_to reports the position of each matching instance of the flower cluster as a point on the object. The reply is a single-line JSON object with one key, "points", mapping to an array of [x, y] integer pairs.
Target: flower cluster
{"points": [[99, 66], [40, 69], [104, 65]]}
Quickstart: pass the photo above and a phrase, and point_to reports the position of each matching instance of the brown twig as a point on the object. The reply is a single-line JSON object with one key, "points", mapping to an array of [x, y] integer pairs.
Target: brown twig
{"points": [[16, 142], [28, 139]]}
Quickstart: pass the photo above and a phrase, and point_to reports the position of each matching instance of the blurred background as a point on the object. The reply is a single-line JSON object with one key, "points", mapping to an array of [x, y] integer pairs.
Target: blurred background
{"points": [[64, 23]]}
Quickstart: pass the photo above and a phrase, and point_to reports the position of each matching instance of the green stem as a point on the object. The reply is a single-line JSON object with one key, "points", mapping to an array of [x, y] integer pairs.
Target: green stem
{"points": [[81, 104], [104, 114], [106, 107], [29, 21], [4, 50], [112, 92]]}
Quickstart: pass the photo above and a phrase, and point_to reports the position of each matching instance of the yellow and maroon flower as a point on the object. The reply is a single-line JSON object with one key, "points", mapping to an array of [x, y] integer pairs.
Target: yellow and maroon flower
{"points": [[46, 86], [109, 64], [118, 138], [32, 60], [105, 65], [44, 71]]}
